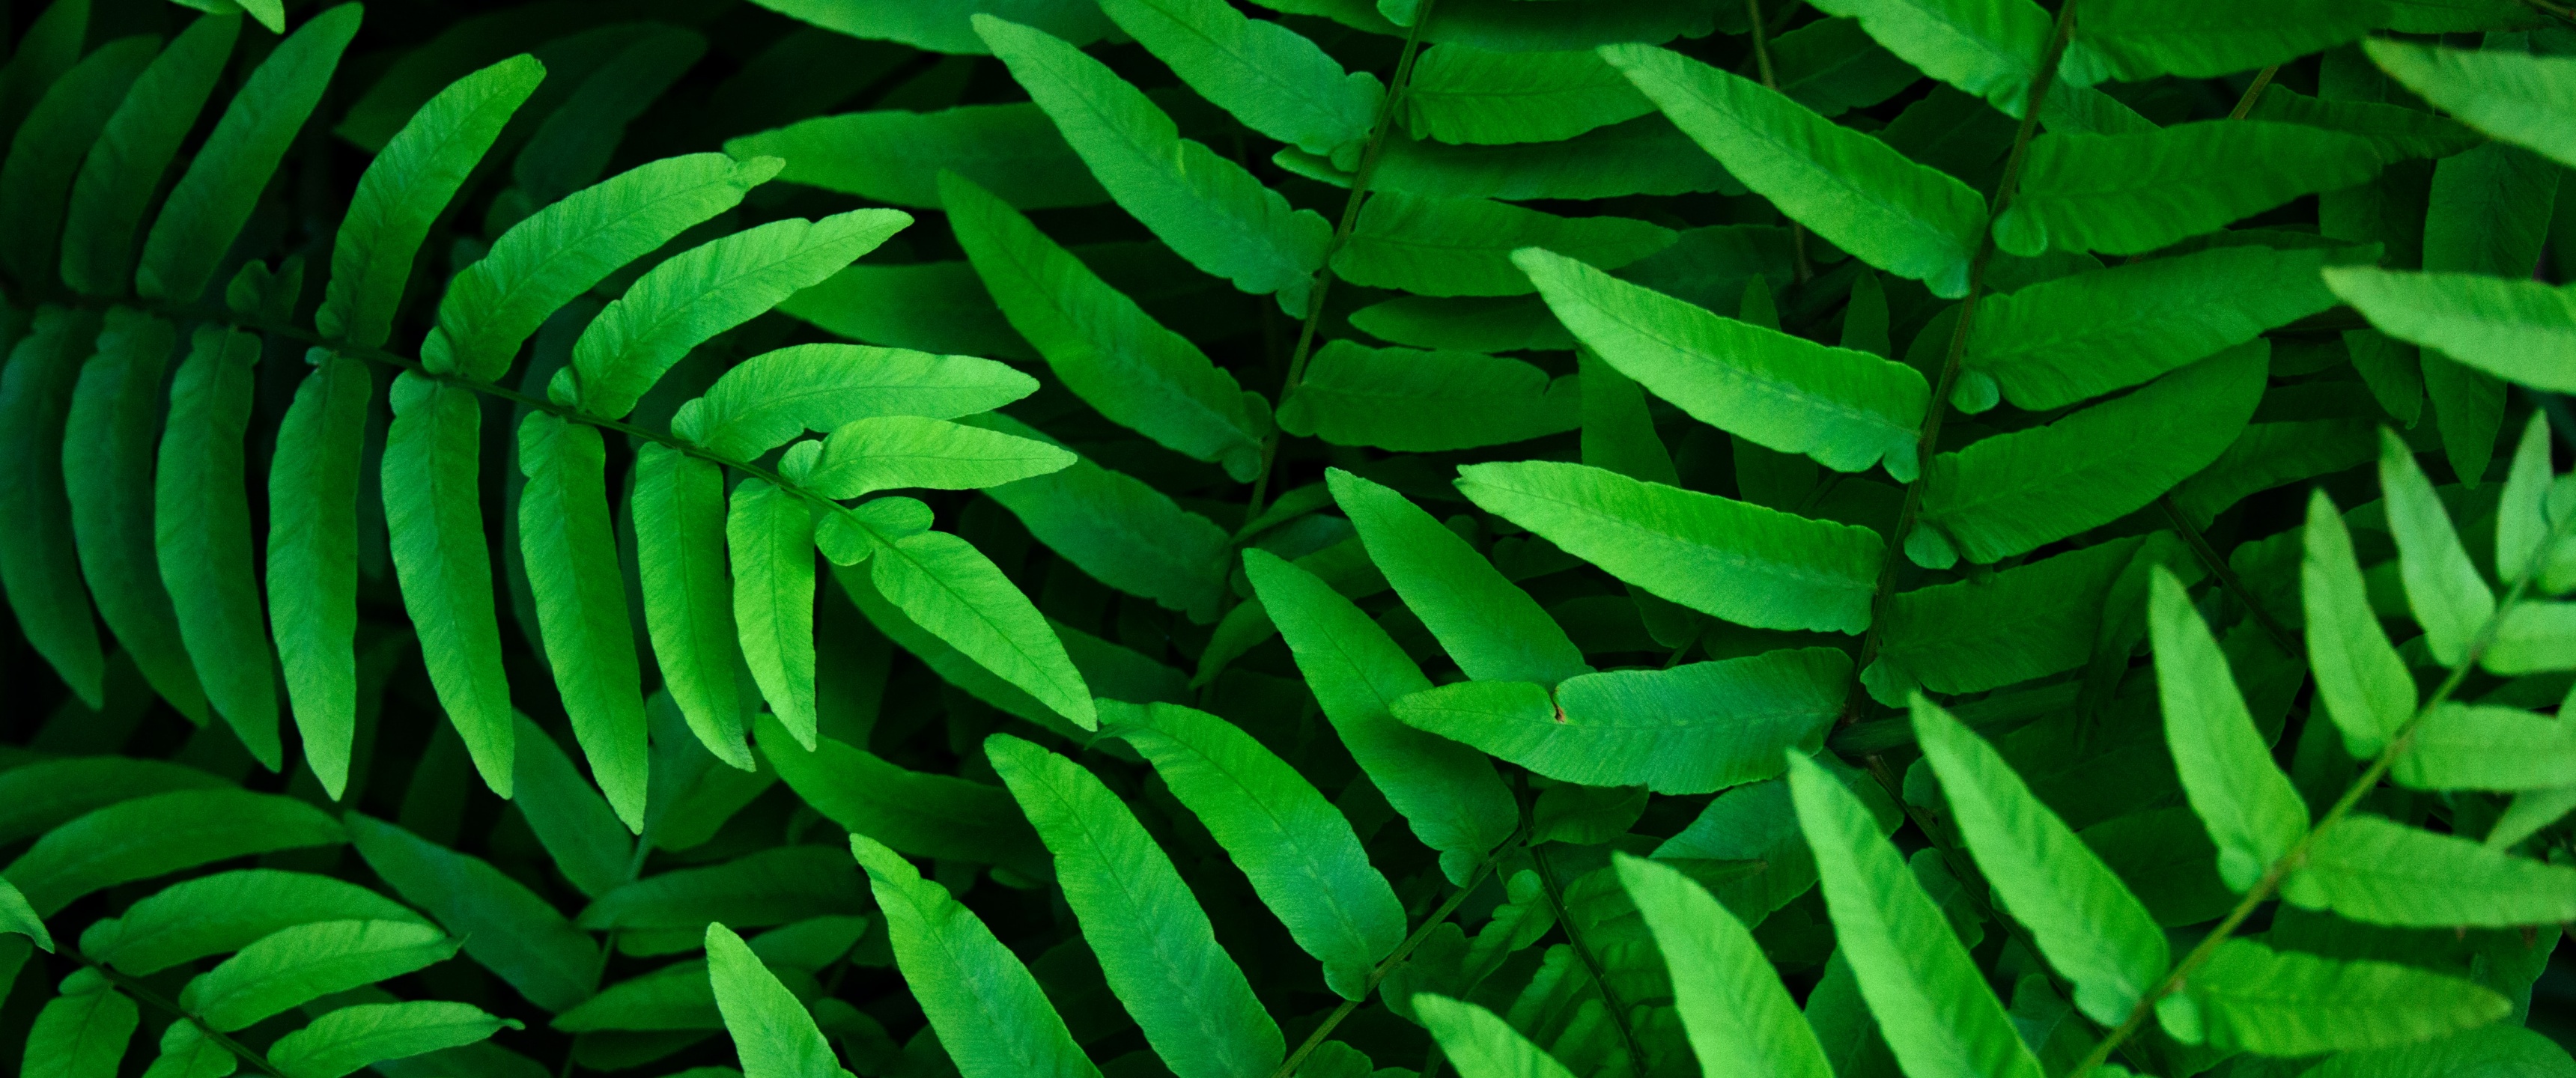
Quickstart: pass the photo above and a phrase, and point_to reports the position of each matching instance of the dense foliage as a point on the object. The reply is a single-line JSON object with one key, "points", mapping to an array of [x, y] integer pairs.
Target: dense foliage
{"points": [[1804, 538]]}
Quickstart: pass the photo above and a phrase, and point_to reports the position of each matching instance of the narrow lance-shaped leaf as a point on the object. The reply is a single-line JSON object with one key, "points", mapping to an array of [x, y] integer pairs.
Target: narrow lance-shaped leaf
{"points": [[1425, 402], [124, 168], [896, 155], [1932, 1003], [897, 451], [45, 155], [1989, 49], [916, 813], [2132, 41], [2378, 871], [581, 602], [1463, 246], [679, 507], [762, 402], [2252, 812], [404, 190], [1119, 530], [313, 558], [39, 556], [559, 252], [505, 927], [2128, 194], [82, 1033], [1104, 347], [1207, 208], [1269, 76], [1848, 410], [2031, 620], [1908, 219], [1739, 561], [434, 521], [17, 916], [1739, 1017], [201, 529], [1463, 94], [992, 1018], [2520, 330], [2249, 997], [1481, 1044], [571, 820], [296, 965], [2519, 98], [160, 834], [107, 473], [1298, 849], [770, 535], [1154, 942], [951, 589], [1446, 791], [1492, 628], [2087, 923], [704, 291], [358, 1036], [214, 198], [2443, 587], [2360, 678], [227, 911], [771, 1032], [2011, 493]]}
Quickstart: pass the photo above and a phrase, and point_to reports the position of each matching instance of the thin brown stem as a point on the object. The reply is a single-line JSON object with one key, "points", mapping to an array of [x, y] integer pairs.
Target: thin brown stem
{"points": [[1937, 409], [1369, 154], [2253, 93], [2297, 855]]}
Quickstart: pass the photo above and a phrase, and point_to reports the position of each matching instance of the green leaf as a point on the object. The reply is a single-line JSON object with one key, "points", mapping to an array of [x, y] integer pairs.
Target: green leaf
{"points": [[956, 593], [2486, 747], [2249, 997], [296, 965], [1446, 791], [124, 167], [890, 452], [1463, 94], [1687, 730], [2134, 40], [2013, 493], [2253, 814], [1491, 628], [1739, 1018], [201, 531], [1908, 219], [211, 915], [2443, 587], [186, 1052], [571, 148], [215, 196], [2503, 1048], [434, 519], [1104, 347], [561, 251], [2086, 922], [2133, 322], [107, 473], [351, 1038], [2378, 871], [917, 813], [895, 156], [313, 558], [774, 886], [1119, 530], [2520, 330], [1932, 1004], [1207, 208], [570, 818], [1268, 76], [941, 25], [1298, 850], [1463, 246], [1739, 561], [2524, 524], [1154, 943], [2028, 621], [581, 602], [2360, 678], [771, 1031], [160, 834], [1644, 156], [1989, 49], [2398, 132], [1846, 409], [45, 155], [1481, 1044], [2518, 98], [16, 916], [505, 927], [50, 46], [767, 400], [769, 535], [405, 189], [2129, 194], [1425, 402], [704, 291], [39, 557], [679, 513], [81, 1034], [992, 1018], [38, 797]]}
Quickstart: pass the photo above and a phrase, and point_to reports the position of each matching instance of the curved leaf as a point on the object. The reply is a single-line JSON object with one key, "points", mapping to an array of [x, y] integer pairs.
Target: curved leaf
{"points": [[161, 834], [358, 1036], [2519, 98], [895, 156], [2521, 330], [434, 519], [772, 1034], [124, 168], [306, 962], [1270, 77], [39, 556], [950, 588], [918, 813], [211, 915], [1425, 402], [1463, 246], [312, 581], [2252, 812], [107, 472], [769, 535], [201, 532], [1739, 1017], [992, 1017], [679, 513], [46, 154], [504, 926], [1490, 627], [763, 402], [581, 603], [2127, 194]]}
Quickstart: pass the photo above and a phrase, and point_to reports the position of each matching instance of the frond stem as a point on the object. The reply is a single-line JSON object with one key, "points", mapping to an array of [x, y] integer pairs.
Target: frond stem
{"points": [[1402, 952], [1938, 407], [1555, 892], [137, 989], [2253, 92], [1369, 155], [2281, 635], [2297, 855]]}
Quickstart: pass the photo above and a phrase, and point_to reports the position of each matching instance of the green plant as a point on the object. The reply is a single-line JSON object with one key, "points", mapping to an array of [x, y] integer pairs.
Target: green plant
{"points": [[1871, 541]]}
